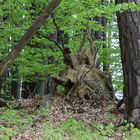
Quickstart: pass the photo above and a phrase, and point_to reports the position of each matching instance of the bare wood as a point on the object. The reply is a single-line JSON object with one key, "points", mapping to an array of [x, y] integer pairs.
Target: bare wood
{"points": [[28, 35], [68, 84], [58, 80]]}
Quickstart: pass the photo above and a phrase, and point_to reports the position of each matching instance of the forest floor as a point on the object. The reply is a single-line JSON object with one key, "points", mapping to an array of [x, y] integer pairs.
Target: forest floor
{"points": [[65, 122]]}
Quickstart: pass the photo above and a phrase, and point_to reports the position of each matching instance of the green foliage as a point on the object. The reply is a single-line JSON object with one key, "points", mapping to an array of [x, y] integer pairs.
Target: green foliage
{"points": [[112, 8], [13, 121], [74, 129], [32, 64], [42, 56], [70, 129], [41, 112], [8, 132]]}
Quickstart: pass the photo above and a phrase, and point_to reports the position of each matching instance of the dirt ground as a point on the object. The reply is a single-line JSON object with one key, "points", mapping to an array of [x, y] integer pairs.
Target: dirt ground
{"points": [[62, 111]]}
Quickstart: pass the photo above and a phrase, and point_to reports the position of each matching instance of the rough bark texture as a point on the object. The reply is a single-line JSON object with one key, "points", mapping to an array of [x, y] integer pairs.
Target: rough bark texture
{"points": [[28, 35], [129, 30], [84, 82]]}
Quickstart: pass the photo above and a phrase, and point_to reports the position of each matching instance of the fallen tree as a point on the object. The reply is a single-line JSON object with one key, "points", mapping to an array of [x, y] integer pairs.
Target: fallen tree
{"points": [[82, 80]]}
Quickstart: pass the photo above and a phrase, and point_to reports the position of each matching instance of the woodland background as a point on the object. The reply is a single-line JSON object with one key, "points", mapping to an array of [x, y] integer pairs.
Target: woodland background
{"points": [[62, 83]]}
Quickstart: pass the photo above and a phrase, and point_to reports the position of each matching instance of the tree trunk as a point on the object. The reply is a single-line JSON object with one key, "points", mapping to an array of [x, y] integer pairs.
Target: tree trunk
{"points": [[105, 64], [28, 35], [15, 89], [98, 34], [29, 89], [15, 83], [129, 30]]}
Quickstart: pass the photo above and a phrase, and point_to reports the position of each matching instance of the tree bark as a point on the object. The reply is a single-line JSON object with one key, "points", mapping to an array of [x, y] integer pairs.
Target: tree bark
{"points": [[54, 81], [105, 64], [28, 35], [29, 89], [129, 30]]}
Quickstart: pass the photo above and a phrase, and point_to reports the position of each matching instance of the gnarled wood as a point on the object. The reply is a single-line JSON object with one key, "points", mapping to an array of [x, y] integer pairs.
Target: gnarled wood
{"points": [[84, 81]]}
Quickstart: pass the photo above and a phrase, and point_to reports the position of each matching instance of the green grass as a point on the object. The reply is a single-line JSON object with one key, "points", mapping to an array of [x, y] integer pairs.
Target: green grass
{"points": [[13, 122], [75, 130], [71, 130]]}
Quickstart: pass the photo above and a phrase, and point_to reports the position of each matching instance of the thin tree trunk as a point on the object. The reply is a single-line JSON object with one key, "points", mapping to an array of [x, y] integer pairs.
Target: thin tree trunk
{"points": [[15, 89], [105, 64], [98, 34], [28, 35], [29, 89], [129, 30]]}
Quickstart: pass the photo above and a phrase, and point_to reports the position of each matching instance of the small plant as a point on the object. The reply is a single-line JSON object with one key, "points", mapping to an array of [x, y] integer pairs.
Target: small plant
{"points": [[72, 130], [42, 112], [14, 121]]}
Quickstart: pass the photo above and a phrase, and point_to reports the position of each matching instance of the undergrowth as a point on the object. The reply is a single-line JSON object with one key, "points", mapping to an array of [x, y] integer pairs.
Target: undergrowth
{"points": [[71, 130], [13, 122], [75, 130]]}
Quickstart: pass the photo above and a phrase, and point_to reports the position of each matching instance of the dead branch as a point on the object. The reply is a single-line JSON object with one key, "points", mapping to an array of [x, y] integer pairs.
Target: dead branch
{"points": [[58, 80], [48, 38]]}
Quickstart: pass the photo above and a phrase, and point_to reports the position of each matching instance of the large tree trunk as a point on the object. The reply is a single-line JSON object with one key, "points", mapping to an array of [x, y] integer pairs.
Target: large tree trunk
{"points": [[129, 30], [28, 35]]}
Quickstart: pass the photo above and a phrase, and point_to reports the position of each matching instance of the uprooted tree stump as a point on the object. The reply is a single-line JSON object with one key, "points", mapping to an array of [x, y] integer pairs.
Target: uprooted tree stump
{"points": [[82, 81]]}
